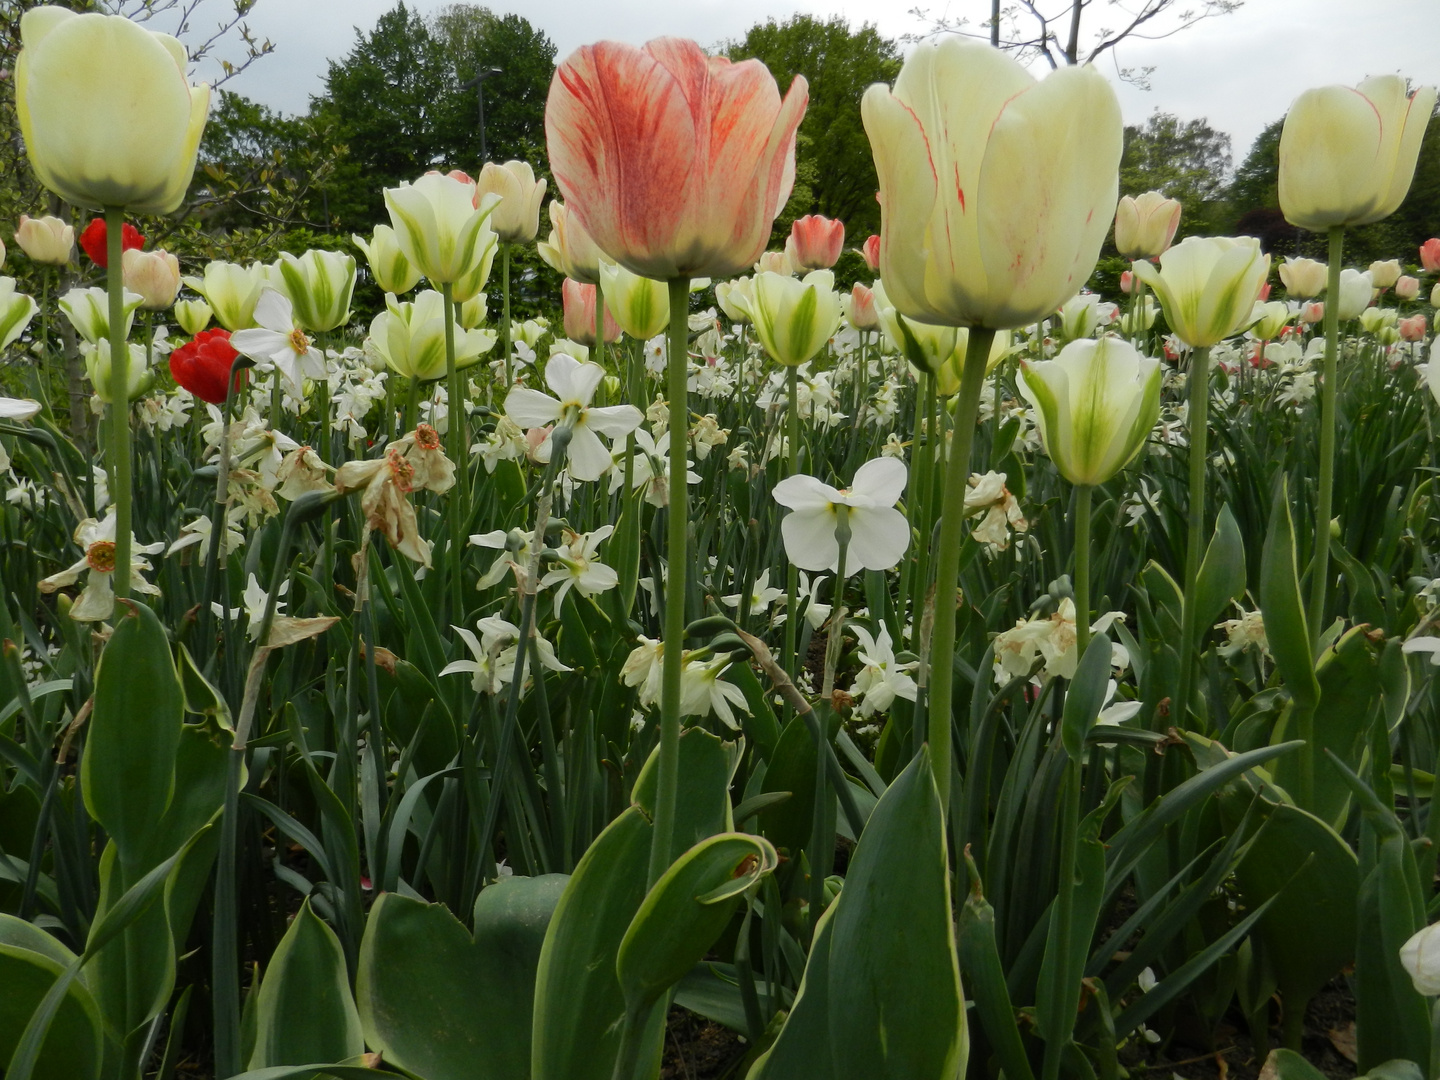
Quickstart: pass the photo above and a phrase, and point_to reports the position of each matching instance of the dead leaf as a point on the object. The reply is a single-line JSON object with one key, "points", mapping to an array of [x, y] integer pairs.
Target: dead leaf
{"points": [[1343, 1039]]}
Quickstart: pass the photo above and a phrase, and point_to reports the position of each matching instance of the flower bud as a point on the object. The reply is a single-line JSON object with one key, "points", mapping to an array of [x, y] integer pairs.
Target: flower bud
{"points": [[97, 369], [1420, 957], [1145, 226], [392, 271], [471, 313], [859, 308], [516, 219], [1357, 289], [155, 275], [1430, 254], [89, 312], [870, 252], [1127, 282], [1270, 318], [794, 318], [570, 250], [1385, 273], [16, 311], [232, 291], [1082, 315], [410, 338], [579, 301], [775, 262], [640, 305], [1304, 279], [815, 242], [1207, 285], [192, 315], [1312, 313], [1407, 287], [1374, 319], [319, 285], [46, 240], [734, 298], [1413, 328]]}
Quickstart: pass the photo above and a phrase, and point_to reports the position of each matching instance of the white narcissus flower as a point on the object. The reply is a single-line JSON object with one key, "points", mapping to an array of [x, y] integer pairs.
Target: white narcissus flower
{"points": [[644, 668], [881, 679], [253, 602], [18, 408], [494, 652], [439, 221], [1420, 957], [580, 566], [280, 341], [574, 385], [514, 557], [1208, 285], [702, 690], [1051, 637], [200, 530], [1096, 403], [793, 317], [762, 594], [97, 598], [807, 597], [879, 533]]}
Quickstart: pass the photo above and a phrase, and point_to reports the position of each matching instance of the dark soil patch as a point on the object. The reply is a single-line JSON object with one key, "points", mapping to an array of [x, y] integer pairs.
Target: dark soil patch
{"points": [[700, 1049]]}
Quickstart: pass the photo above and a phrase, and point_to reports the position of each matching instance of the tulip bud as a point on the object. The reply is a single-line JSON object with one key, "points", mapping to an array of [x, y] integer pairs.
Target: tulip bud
{"points": [[1269, 319], [1207, 285], [1420, 957], [95, 241], [1347, 156], [1407, 287], [232, 291], [203, 366], [1435, 295], [859, 308], [440, 225], [579, 300], [870, 252], [16, 311], [516, 219], [155, 275], [734, 299], [815, 242], [1145, 226], [1413, 328], [1132, 323], [794, 318], [925, 346], [192, 315], [1374, 319], [89, 312], [319, 285], [1312, 313], [1385, 273], [1127, 282], [410, 338], [1303, 278], [1082, 315], [530, 331], [570, 250], [641, 306], [775, 262], [46, 240], [97, 369], [389, 267], [472, 312], [952, 369], [1430, 254], [1356, 291]]}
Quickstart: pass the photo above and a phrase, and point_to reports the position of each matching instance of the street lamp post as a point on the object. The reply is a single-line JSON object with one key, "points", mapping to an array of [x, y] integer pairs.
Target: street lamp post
{"points": [[479, 83]]}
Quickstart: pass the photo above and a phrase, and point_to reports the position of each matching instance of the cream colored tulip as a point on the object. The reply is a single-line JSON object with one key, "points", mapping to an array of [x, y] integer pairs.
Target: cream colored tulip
{"points": [[97, 370], [1268, 319], [155, 275], [950, 372], [1407, 287], [440, 223], [192, 315], [319, 285], [472, 312], [1145, 225], [1208, 286], [410, 338], [570, 250], [1347, 155], [641, 306], [1385, 272], [392, 271], [232, 292], [16, 311], [471, 283], [89, 312], [1304, 278], [775, 262], [734, 298], [516, 219], [46, 240], [108, 115], [794, 317], [996, 191], [1357, 291]]}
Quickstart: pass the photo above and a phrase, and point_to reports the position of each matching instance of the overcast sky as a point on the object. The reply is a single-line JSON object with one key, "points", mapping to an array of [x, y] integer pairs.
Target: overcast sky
{"points": [[1240, 71]]}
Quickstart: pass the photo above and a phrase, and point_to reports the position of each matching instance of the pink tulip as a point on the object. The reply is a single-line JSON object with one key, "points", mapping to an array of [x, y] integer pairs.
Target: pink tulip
{"points": [[1407, 287], [579, 300], [1430, 254], [870, 252], [1312, 313], [1127, 281], [859, 307], [815, 242], [675, 162], [1265, 292], [1413, 328]]}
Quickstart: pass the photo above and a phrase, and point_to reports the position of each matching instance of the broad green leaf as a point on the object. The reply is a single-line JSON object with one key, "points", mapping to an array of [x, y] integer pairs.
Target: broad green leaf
{"points": [[74, 1046], [1222, 572], [702, 808], [802, 1049], [1086, 697], [984, 974], [1283, 608], [304, 1011]]}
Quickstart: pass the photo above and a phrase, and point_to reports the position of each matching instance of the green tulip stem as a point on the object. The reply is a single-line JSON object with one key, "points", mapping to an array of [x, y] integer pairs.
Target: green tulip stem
{"points": [[119, 432], [792, 463], [505, 309], [914, 581], [1320, 566], [947, 566], [1198, 384], [677, 527], [821, 849], [412, 405], [598, 353], [459, 446], [1082, 567]]}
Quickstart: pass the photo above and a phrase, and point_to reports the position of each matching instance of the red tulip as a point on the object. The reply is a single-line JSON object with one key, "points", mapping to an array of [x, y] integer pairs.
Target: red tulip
{"points": [[1430, 254], [579, 302], [870, 252], [95, 237], [815, 242], [202, 366], [675, 162]]}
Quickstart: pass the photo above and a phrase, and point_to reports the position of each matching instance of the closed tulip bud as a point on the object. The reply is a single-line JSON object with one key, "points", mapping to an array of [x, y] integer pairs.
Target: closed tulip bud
{"points": [[570, 249], [440, 225], [1145, 225], [579, 300], [1407, 287], [734, 298], [1420, 955], [1303, 278], [516, 218], [474, 280], [1127, 282], [1347, 156], [924, 345], [410, 338], [1374, 319], [1385, 273], [203, 366], [97, 369], [1095, 403], [1208, 286], [1312, 313], [947, 377], [870, 252], [1132, 323], [1269, 319], [1082, 315], [232, 291], [16, 311], [108, 115], [1429, 254], [155, 275], [46, 240], [1413, 328], [472, 312], [1357, 290], [794, 318], [94, 241], [89, 312], [815, 242], [392, 271], [531, 331], [1005, 230], [775, 262], [319, 285], [676, 162], [859, 308], [1435, 295], [192, 315], [640, 305]]}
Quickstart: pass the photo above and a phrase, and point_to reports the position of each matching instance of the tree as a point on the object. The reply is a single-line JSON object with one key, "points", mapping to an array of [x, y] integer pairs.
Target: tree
{"points": [[1184, 159], [835, 173]]}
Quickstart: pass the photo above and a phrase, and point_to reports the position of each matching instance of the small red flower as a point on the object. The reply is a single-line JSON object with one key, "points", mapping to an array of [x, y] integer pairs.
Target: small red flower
{"points": [[95, 237], [202, 365]]}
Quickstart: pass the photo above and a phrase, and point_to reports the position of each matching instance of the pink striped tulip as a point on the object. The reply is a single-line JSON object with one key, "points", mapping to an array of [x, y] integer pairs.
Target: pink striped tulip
{"points": [[815, 242], [579, 300]]}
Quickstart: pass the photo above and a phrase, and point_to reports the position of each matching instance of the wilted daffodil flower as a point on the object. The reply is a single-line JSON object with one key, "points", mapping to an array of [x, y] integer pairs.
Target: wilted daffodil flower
{"points": [[410, 338], [574, 385], [879, 533], [318, 285], [1208, 286], [97, 598], [392, 271], [794, 317], [408, 464], [1095, 404]]}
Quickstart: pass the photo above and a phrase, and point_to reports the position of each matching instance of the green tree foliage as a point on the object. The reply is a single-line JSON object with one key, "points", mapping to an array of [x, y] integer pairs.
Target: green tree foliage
{"points": [[1184, 159], [835, 174]]}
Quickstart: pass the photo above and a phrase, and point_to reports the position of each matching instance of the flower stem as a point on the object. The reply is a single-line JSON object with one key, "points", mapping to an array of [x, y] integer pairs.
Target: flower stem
{"points": [[1082, 567], [947, 566], [821, 854], [505, 309], [1198, 384], [459, 444], [598, 353], [1320, 566], [677, 526], [119, 399], [792, 462]]}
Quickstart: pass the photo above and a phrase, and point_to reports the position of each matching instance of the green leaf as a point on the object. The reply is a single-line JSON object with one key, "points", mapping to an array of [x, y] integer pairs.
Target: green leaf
{"points": [[985, 976], [802, 1049], [1222, 572], [201, 697], [1086, 697], [30, 962], [1288, 1065], [304, 1011], [707, 764], [128, 770], [1283, 608]]}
